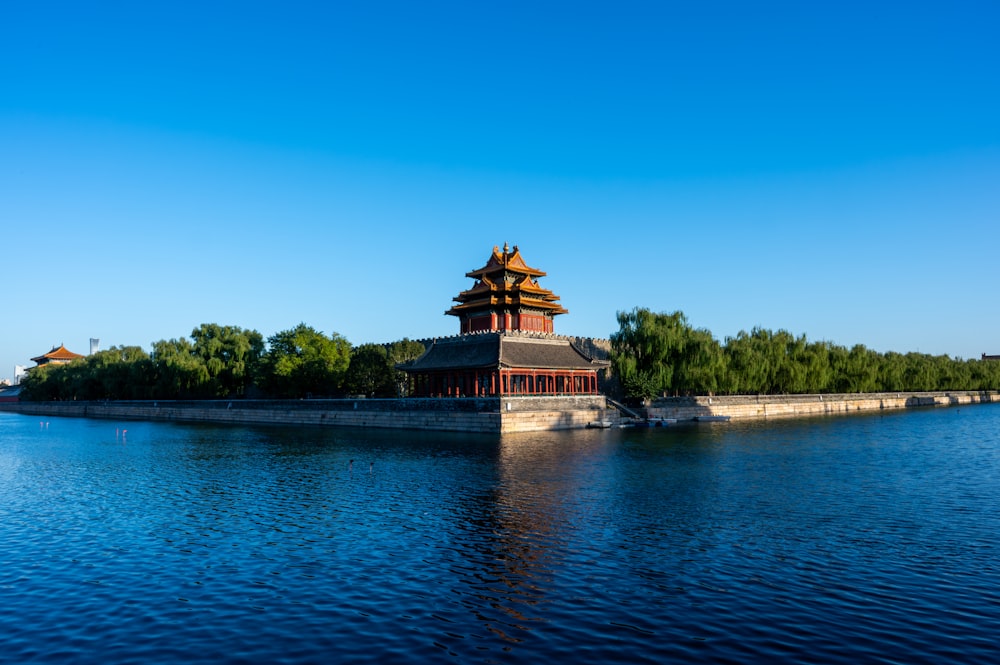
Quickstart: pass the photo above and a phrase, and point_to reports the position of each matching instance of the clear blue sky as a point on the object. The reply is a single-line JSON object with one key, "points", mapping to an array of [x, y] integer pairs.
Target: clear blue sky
{"points": [[831, 169]]}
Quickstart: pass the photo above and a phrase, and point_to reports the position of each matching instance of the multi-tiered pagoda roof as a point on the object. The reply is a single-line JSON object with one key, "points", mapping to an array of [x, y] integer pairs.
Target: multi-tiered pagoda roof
{"points": [[506, 345], [506, 297]]}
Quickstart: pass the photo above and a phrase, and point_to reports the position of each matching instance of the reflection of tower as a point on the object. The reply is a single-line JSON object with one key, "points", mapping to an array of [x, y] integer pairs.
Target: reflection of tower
{"points": [[95, 345]]}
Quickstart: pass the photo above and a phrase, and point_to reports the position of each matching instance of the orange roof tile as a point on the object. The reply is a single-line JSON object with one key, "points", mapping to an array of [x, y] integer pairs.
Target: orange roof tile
{"points": [[60, 353]]}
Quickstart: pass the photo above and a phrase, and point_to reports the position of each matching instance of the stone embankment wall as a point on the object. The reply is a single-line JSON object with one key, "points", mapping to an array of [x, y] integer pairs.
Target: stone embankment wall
{"points": [[785, 406], [486, 415], [489, 415]]}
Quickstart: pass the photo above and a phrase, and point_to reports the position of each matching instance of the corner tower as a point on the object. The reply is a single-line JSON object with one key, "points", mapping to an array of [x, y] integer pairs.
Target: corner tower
{"points": [[506, 297], [506, 345]]}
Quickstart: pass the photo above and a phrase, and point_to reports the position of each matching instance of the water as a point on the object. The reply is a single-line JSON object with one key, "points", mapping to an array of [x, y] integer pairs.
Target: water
{"points": [[838, 540]]}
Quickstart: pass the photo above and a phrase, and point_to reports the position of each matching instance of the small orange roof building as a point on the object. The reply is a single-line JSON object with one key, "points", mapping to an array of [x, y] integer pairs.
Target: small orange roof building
{"points": [[57, 356]]}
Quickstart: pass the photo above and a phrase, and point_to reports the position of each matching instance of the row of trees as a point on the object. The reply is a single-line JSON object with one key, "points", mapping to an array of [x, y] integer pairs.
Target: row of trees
{"points": [[651, 354], [662, 354], [227, 361]]}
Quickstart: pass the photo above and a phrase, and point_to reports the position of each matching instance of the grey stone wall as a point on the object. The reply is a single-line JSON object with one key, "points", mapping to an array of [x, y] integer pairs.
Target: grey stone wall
{"points": [[487, 415], [783, 406]]}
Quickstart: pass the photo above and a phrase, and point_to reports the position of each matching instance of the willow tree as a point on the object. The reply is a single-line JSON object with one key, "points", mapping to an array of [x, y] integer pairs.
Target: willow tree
{"points": [[751, 362], [856, 371], [702, 364], [653, 354], [230, 355], [124, 372], [180, 373]]}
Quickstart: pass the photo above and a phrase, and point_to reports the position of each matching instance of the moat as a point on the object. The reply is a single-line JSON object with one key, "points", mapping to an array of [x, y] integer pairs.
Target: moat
{"points": [[865, 538]]}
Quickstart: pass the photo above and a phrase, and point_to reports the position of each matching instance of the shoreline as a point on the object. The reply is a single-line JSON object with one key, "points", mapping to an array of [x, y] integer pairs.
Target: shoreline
{"points": [[763, 407], [495, 415]]}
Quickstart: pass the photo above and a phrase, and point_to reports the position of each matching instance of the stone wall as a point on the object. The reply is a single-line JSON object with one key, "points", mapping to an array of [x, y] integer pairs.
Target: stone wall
{"points": [[535, 414], [487, 415], [785, 406]]}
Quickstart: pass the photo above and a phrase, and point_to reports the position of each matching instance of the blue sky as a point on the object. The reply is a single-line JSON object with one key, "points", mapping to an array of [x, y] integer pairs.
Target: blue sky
{"points": [[830, 169]]}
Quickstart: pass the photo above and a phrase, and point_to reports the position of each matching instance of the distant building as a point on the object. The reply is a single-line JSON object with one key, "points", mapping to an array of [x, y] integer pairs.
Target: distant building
{"points": [[986, 357], [57, 356], [506, 344]]}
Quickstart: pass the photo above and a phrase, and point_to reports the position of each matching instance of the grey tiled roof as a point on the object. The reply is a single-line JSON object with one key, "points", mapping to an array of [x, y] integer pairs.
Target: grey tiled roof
{"points": [[492, 350], [472, 351], [543, 354]]}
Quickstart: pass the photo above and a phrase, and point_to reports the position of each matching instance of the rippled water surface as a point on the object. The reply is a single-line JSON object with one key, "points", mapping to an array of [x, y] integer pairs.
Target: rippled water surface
{"points": [[839, 540]]}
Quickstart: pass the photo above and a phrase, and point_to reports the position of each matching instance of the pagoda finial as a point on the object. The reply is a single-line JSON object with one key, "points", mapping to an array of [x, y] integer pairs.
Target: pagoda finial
{"points": [[506, 249]]}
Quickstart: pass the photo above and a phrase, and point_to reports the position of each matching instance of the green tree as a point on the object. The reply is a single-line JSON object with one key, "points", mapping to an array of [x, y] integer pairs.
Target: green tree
{"points": [[370, 373], [816, 359], [303, 361], [892, 372], [659, 353], [118, 373], [41, 384], [179, 372], [920, 373], [857, 370], [750, 366], [400, 352], [230, 355], [702, 364]]}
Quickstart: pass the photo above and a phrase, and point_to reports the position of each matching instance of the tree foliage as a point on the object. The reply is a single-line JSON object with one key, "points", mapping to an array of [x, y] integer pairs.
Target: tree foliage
{"points": [[303, 362], [370, 372], [230, 355], [117, 373], [661, 354], [373, 372], [399, 353], [218, 361], [652, 354]]}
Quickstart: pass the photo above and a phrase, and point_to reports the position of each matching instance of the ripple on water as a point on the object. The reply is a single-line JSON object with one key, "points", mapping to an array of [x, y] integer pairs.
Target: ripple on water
{"points": [[831, 541]]}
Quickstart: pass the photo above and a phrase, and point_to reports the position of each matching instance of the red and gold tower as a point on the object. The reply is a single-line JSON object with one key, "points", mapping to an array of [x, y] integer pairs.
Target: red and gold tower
{"points": [[506, 345], [506, 297]]}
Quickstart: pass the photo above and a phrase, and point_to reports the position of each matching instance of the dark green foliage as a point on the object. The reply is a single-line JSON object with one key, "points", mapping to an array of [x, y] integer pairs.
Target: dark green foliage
{"points": [[399, 353], [652, 354], [220, 362], [661, 354], [181, 374], [370, 372], [42, 384], [118, 373]]}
